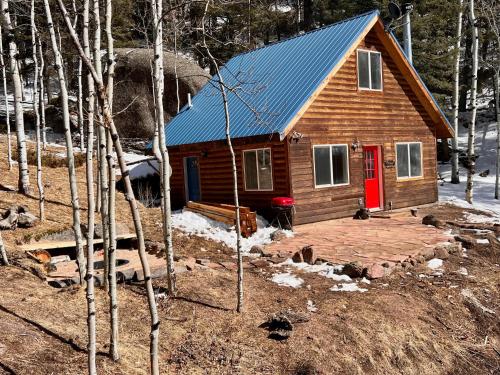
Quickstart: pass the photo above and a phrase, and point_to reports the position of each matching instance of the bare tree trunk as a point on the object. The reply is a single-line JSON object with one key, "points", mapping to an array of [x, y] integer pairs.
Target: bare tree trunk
{"points": [[497, 107], [113, 296], [34, 33], [42, 94], [7, 114], [3, 252], [222, 88], [455, 174], [75, 202], [160, 124], [101, 137], [469, 192], [129, 192], [80, 106], [91, 308], [22, 159]]}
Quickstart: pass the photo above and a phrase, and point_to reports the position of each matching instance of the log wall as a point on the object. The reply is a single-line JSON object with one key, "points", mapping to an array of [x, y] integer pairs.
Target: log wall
{"points": [[341, 114]]}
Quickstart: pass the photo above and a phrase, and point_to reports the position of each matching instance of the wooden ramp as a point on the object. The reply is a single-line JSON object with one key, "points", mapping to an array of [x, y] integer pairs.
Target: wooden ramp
{"points": [[46, 245]]}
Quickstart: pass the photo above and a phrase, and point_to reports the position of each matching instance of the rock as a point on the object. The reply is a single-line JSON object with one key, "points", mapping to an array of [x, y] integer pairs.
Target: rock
{"points": [[432, 220], [413, 262], [203, 262], [259, 263], [277, 235], [414, 212], [189, 263], [308, 255], [455, 248], [427, 253], [9, 219], [26, 220], [441, 252], [466, 241], [277, 259], [154, 247], [297, 257], [280, 325], [353, 269], [484, 173], [375, 271], [362, 214], [257, 249]]}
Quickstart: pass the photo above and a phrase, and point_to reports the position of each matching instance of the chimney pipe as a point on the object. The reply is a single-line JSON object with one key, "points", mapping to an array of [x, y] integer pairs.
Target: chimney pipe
{"points": [[408, 7], [189, 100]]}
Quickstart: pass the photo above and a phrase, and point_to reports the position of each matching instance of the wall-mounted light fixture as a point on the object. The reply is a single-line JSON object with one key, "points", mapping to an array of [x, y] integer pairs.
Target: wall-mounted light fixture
{"points": [[355, 145], [296, 136]]}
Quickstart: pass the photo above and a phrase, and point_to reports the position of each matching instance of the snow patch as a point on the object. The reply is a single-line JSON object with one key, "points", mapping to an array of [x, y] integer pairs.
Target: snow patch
{"points": [[483, 241], [348, 287], [311, 306], [463, 271], [196, 224], [435, 263], [287, 279]]}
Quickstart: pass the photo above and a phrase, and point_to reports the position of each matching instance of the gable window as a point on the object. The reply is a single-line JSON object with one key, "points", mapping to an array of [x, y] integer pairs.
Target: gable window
{"points": [[409, 160], [369, 70], [258, 169], [331, 165]]}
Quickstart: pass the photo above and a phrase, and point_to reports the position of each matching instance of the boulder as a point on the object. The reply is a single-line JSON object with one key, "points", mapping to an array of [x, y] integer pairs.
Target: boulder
{"points": [[26, 220], [353, 269], [432, 220], [259, 263], [297, 257], [441, 252], [308, 255], [203, 262], [257, 249], [277, 235], [375, 271], [154, 247]]}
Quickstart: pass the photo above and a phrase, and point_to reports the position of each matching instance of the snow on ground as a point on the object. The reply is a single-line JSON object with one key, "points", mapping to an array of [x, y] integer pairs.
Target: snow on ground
{"points": [[193, 223], [484, 187], [483, 241], [287, 279], [435, 263], [347, 287]]}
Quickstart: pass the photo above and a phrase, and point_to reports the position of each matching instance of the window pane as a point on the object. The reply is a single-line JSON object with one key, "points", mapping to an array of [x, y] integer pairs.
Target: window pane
{"points": [[340, 165], [415, 160], [265, 172], [402, 158], [322, 165], [375, 71], [250, 170], [363, 71]]}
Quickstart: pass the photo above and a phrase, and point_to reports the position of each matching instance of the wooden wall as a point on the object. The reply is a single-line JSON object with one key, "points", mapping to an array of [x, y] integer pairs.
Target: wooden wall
{"points": [[216, 172], [342, 113]]}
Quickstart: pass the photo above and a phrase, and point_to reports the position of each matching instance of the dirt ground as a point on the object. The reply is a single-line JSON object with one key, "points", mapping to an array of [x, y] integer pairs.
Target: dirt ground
{"points": [[403, 324]]}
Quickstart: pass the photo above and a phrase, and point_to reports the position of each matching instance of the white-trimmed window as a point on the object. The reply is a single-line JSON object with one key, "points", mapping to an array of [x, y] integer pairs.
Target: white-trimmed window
{"points": [[331, 165], [258, 169], [409, 160], [369, 70]]}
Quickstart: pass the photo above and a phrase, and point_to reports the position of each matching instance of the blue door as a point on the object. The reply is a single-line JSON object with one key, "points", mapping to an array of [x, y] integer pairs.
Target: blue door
{"points": [[192, 178]]}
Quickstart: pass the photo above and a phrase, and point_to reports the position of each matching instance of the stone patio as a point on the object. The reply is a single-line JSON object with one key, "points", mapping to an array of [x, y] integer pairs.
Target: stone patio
{"points": [[382, 241]]}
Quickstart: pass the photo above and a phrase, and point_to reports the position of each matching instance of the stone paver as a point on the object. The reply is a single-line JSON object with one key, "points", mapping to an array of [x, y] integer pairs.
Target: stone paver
{"points": [[370, 241]]}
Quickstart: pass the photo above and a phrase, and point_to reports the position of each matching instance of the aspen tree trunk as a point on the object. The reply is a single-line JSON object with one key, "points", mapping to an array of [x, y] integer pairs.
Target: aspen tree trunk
{"points": [[80, 106], [90, 292], [75, 202], [113, 296], [101, 137], [3, 252], [160, 124], [497, 107], [7, 114], [22, 159], [42, 94], [129, 193], [222, 88], [469, 192], [455, 174], [41, 195]]}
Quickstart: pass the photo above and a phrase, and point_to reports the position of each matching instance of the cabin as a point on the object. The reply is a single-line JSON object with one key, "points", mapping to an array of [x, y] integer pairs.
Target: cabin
{"points": [[336, 118]]}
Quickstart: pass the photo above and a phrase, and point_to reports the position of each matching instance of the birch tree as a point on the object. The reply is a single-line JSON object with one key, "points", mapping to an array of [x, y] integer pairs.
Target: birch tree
{"points": [[223, 91], [471, 170], [90, 293], [129, 192], [75, 202], [22, 159], [3, 252], [159, 87], [7, 110], [41, 96], [113, 296], [455, 175], [34, 37]]}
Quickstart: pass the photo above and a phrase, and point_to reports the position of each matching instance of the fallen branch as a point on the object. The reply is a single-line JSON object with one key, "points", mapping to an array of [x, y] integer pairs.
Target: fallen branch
{"points": [[472, 301]]}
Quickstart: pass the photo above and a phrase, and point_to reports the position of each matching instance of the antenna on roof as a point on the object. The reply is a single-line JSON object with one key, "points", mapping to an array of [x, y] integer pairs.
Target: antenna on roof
{"points": [[398, 12]]}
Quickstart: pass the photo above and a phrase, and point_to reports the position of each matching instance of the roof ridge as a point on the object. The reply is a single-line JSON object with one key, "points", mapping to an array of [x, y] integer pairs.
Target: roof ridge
{"points": [[375, 11]]}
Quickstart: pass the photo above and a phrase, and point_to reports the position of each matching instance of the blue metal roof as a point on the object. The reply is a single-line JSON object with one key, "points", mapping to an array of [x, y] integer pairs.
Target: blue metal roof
{"points": [[271, 84]]}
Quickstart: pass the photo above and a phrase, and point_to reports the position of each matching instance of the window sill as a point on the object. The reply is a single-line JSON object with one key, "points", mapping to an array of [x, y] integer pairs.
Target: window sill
{"points": [[403, 179], [259, 190], [331, 186]]}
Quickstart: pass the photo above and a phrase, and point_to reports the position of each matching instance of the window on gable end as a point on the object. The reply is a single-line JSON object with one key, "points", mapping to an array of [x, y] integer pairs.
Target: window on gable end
{"points": [[369, 70]]}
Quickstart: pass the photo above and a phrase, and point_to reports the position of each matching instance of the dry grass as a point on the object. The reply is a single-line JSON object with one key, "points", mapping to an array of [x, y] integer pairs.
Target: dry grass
{"points": [[402, 325], [50, 157]]}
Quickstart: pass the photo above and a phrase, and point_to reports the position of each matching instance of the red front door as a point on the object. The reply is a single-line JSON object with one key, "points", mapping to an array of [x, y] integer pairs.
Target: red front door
{"points": [[372, 176]]}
